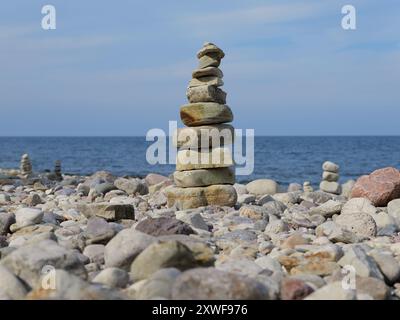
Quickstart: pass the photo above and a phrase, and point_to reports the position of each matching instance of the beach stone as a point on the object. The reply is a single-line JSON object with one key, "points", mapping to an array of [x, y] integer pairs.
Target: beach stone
{"points": [[121, 250], [253, 212], [28, 216], [293, 240], [274, 207], [373, 287], [219, 135], [103, 188], [206, 81], [332, 291], [293, 187], [204, 177], [330, 176], [188, 198], [294, 289], [98, 231], [6, 220], [362, 224], [194, 219], [206, 94], [262, 187], [357, 205], [11, 285], [33, 200], [198, 114], [209, 60], [347, 187], [246, 199], [158, 285], [327, 209], [71, 287], [240, 188], [387, 264], [154, 178], [335, 233], [110, 212], [95, 253], [163, 226], [276, 227], [112, 277], [364, 265], [330, 187], [330, 166], [203, 159], [210, 48], [131, 186], [207, 72], [380, 187], [168, 254], [393, 209], [213, 284], [27, 261]]}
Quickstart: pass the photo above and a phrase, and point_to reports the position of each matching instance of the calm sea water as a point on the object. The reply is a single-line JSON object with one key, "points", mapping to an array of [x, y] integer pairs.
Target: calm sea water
{"points": [[284, 159]]}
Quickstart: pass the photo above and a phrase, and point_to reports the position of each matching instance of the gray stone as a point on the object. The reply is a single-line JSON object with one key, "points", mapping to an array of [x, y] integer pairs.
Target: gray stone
{"points": [[103, 188], [163, 226], [168, 254], [198, 114], [364, 265], [71, 287], [6, 220], [213, 284], [131, 186], [194, 219], [262, 186], [121, 250], [330, 176], [11, 285], [112, 277], [206, 94], [333, 291], [110, 212], [327, 209], [362, 224], [204, 177], [98, 230], [330, 166], [27, 262], [330, 187], [387, 264], [28, 216], [95, 253]]}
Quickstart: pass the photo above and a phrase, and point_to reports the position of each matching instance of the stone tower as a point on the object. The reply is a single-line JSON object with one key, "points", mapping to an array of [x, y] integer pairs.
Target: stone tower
{"points": [[26, 166], [204, 168]]}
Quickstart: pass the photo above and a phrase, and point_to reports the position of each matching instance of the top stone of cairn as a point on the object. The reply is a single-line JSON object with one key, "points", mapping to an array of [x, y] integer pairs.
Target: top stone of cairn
{"points": [[210, 49]]}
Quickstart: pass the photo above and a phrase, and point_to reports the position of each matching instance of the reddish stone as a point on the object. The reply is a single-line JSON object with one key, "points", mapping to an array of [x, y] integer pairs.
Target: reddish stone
{"points": [[294, 289], [154, 178], [380, 187]]}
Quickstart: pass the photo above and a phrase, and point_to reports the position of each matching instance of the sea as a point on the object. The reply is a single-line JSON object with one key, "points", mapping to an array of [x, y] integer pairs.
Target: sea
{"points": [[284, 159]]}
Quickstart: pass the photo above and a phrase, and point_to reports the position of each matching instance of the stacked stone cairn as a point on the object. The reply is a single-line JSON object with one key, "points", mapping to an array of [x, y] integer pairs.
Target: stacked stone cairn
{"points": [[330, 178], [204, 167], [57, 170], [26, 166], [307, 186]]}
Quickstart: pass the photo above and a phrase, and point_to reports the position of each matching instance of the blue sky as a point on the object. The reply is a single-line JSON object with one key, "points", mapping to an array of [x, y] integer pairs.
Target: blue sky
{"points": [[122, 67]]}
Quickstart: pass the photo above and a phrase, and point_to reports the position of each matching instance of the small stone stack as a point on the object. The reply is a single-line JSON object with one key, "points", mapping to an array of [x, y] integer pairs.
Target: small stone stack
{"points": [[307, 186], [57, 170], [208, 180], [330, 178], [26, 166]]}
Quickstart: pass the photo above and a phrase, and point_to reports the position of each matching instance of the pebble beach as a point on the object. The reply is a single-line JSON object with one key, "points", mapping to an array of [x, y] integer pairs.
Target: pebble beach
{"points": [[108, 237]]}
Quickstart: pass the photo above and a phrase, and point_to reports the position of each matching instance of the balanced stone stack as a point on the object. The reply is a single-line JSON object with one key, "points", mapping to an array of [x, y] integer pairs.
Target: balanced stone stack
{"points": [[307, 187], [26, 166], [204, 168], [330, 178], [57, 170]]}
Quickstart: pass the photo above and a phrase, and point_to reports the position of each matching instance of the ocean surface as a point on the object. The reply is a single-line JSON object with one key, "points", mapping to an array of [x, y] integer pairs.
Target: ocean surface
{"points": [[284, 159]]}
